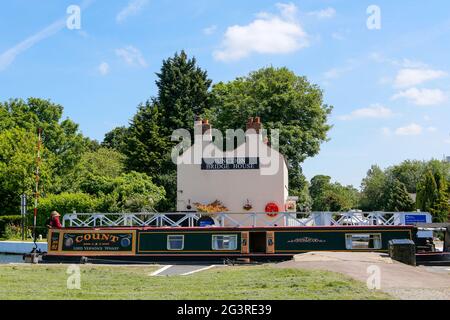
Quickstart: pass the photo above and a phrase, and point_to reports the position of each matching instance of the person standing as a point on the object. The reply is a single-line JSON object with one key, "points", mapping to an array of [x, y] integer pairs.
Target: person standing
{"points": [[54, 222]]}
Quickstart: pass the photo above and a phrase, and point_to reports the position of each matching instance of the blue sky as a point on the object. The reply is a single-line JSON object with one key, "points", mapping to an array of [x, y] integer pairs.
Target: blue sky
{"points": [[390, 87]]}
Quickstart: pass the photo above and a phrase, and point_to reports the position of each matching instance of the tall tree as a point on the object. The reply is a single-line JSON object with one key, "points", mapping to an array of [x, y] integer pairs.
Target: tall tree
{"points": [[373, 190], [408, 172], [432, 195], [284, 101], [116, 139], [183, 92], [397, 197], [61, 137]]}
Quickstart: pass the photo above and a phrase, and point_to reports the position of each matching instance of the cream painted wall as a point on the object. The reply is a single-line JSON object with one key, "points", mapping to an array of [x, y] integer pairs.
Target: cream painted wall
{"points": [[234, 187]]}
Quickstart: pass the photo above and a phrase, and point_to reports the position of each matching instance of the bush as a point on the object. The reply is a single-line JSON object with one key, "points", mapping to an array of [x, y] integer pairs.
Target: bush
{"points": [[64, 203], [5, 221], [12, 232]]}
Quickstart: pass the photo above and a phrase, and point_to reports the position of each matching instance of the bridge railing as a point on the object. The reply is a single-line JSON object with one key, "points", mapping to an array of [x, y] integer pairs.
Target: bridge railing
{"points": [[229, 219]]}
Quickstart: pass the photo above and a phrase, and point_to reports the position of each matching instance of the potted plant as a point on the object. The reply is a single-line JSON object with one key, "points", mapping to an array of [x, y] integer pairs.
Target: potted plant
{"points": [[207, 211], [247, 206]]}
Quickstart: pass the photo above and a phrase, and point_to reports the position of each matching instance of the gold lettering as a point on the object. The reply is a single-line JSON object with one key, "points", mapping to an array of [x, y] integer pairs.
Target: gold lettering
{"points": [[96, 236], [78, 239]]}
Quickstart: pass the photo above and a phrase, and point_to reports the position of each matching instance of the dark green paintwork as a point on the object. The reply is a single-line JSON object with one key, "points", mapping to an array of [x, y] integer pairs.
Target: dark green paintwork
{"points": [[196, 242]]}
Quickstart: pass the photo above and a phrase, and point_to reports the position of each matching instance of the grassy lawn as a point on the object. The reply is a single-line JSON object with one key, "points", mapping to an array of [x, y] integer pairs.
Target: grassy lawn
{"points": [[134, 282]]}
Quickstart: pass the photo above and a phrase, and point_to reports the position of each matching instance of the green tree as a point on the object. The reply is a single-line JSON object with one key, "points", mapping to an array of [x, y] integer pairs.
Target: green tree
{"points": [[408, 172], [146, 143], [373, 190], [432, 195], [284, 101], [116, 139], [327, 196], [183, 92], [18, 167], [397, 197], [61, 138]]}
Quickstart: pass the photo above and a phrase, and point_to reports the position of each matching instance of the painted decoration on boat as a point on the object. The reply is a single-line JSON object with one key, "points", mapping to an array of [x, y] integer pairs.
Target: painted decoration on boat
{"points": [[99, 241]]}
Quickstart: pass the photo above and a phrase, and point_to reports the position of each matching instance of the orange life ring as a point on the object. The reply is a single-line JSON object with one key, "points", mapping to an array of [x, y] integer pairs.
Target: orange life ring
{"points": [[271, 208]]}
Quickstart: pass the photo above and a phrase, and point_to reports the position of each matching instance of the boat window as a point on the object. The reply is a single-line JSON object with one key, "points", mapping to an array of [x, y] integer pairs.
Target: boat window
{"points": [[175, 242], [363, 241], [224, 242]]}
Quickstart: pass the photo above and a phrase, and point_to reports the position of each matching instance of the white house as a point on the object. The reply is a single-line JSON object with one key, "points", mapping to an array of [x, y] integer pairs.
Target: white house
{"points": [[251, 178]]}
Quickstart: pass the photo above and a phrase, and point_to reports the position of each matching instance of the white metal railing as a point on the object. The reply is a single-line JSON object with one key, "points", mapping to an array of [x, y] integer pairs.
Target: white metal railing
{"points": [[144, 219]]}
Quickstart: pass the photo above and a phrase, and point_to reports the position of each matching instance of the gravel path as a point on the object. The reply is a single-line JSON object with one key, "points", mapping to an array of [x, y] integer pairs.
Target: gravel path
{"points": [[399, 280]]}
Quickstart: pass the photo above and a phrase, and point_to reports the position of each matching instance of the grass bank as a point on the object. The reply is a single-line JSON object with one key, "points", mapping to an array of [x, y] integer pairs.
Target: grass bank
{"points": [[134, 282]]}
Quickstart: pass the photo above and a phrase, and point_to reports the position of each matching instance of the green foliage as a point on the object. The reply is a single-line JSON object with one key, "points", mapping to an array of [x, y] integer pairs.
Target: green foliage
{"points": [[327, 196], [62, 146], [373, 190], [94, 169], [433, 196], [183, 92], [12, 232], [5, 221], [408, 172], [116, 139], [17, 167], [397, 197], [388, 190], [284, 101]]}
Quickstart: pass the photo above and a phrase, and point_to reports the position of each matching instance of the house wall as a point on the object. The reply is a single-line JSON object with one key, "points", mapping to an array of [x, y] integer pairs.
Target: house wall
{"points": [[234, 187]]}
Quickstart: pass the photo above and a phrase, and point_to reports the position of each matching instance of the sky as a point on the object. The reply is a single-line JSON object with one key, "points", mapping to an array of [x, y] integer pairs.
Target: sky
{"points": [[383, 65]]}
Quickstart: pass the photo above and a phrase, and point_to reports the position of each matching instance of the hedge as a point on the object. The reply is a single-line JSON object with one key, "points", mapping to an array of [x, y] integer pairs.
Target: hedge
{"points": [[5, 220]]}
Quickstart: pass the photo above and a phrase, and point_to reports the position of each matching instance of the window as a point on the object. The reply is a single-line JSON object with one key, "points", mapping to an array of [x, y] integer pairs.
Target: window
{"points": [[363, 241], [224, 242], [175, 242]]}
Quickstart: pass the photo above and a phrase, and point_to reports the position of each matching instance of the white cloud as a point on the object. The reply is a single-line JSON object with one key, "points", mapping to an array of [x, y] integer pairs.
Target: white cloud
{"points": [[375, 111], [268, 34], [133, 8], [8, 56], [132, 56], [323, 14], [431, 129], [103, 68], [422, 97], [412, 129], [210, 30], [411, 77]]}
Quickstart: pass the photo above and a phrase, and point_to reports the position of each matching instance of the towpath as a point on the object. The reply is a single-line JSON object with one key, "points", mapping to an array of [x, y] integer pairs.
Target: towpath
{"points": [[399, 280]]}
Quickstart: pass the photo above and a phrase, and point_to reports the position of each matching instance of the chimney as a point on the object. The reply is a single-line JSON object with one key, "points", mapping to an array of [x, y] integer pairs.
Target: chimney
{"points": [[197, 122], [255, 124], [205, 126]]}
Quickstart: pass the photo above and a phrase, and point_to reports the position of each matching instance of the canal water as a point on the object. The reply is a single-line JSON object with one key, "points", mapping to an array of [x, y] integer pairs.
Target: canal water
{"points": [[10, 258]]}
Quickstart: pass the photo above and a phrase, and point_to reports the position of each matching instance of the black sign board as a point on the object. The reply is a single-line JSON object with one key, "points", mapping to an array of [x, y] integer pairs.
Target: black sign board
{"points": [[230, 163], [101, 241]]}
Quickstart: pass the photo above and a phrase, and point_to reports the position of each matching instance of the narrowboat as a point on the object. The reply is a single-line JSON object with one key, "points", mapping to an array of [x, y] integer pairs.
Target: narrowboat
{"points": [[218, 244]]}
